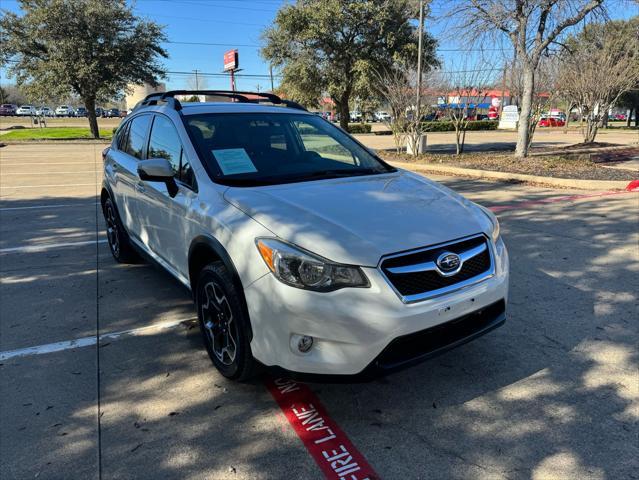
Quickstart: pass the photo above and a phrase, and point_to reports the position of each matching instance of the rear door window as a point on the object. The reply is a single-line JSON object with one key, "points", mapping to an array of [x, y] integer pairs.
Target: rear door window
{"points": [[121, 136], [136, 139]]}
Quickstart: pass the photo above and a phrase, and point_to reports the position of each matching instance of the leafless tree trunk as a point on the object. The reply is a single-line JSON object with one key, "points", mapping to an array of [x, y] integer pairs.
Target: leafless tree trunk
{"points": [[524, 137]]}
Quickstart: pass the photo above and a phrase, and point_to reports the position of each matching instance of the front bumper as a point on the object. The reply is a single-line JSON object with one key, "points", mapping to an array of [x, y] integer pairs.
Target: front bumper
{"points": [[368, 330]]}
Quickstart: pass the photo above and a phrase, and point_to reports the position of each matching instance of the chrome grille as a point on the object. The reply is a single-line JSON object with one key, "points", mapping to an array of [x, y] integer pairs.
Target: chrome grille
{"points": [[416, 276]]}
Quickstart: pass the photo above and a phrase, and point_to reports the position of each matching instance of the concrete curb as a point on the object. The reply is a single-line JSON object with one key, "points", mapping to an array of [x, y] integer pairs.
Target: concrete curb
{"points": [[507, 176]]}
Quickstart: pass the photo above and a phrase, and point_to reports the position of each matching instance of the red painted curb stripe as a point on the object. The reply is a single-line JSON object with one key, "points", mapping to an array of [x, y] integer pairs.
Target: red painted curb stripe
{"points": [[566, 198], [329, 446]]}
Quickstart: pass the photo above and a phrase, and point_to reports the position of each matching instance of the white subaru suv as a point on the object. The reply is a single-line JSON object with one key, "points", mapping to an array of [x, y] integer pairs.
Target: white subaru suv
{"points": [[303, 250]]}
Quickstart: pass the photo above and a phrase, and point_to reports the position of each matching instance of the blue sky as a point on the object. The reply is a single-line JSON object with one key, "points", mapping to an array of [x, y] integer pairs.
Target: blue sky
{"points": [[239, 23]]}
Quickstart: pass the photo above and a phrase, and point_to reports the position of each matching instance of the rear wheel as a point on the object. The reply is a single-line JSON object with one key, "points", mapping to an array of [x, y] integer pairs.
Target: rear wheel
{"points": [[118, 239], [223, 323]]}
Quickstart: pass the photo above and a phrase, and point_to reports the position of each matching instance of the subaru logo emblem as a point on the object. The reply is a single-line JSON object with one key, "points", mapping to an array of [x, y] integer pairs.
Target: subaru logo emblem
{"points": [[448, 263]]}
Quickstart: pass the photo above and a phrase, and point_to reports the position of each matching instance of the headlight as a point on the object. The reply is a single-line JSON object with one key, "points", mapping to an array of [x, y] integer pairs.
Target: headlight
{"points": [[493, 220], [298, 268]]}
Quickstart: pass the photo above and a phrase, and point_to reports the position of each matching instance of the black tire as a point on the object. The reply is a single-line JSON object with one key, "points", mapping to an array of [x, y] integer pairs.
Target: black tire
{"points": [[224, 325], [119, 243]]}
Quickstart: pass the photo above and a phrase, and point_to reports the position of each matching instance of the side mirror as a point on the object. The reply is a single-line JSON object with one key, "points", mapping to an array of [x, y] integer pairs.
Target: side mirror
{"points": [[158, 170]]}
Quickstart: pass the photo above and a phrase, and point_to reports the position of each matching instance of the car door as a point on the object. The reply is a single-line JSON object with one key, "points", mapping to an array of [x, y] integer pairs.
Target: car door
{"points": [[122, 169], [164, 219]]}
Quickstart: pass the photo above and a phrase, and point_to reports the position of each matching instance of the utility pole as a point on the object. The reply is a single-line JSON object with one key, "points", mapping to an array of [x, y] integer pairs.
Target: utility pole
{"points": [[419, 60], [270, 67], [197, 80], [503, 91]]}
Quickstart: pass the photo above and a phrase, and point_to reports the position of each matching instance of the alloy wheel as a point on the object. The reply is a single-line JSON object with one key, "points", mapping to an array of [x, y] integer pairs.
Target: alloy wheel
{"points": [[219, 326], [112, 230]]}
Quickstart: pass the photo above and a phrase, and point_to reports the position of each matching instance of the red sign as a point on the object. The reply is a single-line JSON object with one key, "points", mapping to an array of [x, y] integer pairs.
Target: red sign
{"points": [[231, 60]]}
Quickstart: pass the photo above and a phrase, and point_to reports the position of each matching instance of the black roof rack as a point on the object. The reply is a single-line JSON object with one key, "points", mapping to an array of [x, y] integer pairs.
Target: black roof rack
{"points": [[239, 96]]}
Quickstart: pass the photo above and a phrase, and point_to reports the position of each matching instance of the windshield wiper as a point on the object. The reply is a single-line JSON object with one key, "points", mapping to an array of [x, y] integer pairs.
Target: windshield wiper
{"points": [[316, 175]]}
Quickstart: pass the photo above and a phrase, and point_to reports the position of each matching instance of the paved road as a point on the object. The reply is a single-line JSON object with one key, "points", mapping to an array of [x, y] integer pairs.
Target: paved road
{"points": [[504, 140], [552, 394]]}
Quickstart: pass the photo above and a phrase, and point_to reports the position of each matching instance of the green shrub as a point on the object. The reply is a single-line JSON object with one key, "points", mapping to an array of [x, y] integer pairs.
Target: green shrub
{"points": [[359, 128], [448, 126]]}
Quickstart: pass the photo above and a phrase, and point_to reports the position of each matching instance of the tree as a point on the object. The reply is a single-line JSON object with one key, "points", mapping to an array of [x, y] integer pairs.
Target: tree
{"points": [[531, 26], [335, 46], [93, 48], [599, 65], [398, 93], [13, 94], [466, 88]]}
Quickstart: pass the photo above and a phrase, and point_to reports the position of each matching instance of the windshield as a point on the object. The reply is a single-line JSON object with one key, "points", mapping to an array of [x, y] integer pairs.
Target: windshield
{"points": [[270, 148]]}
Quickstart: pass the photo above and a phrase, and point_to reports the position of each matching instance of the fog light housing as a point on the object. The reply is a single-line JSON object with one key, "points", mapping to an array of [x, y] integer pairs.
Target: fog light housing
{"points": [[301, 343]]}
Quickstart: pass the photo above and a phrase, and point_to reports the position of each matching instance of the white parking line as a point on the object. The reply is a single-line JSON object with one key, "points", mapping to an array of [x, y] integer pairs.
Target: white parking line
{"points": [[53, 173], [37, 207], [88, 341], [49, 246], [47, 186], [25, 164]]}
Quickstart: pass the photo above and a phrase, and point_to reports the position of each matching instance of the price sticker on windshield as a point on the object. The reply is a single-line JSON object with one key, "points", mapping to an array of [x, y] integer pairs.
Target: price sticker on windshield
{"points": [[234, 161]]}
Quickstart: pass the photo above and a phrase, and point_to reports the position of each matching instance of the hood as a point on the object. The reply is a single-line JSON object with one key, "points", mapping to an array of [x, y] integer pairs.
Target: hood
{"points": [[357, 220]]}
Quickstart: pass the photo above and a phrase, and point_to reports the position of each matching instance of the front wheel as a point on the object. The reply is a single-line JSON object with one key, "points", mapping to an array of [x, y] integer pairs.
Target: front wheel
{"points": [[118, 240], [223, 323]]}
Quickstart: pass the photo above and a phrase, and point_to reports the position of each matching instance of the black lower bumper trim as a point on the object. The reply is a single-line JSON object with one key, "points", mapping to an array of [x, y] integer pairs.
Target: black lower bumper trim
{"points": [[411, 349]]}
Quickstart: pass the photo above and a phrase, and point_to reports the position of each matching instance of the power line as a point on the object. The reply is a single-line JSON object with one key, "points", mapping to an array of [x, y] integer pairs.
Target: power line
{"points": [[212, 44], [213, 74], [207, 20], [232, 7]]}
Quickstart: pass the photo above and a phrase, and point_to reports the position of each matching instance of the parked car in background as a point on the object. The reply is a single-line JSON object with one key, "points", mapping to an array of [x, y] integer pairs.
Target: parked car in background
{"points": [[113, 113], [8, 109], [99, 112], [81, 112], [26, 110], [546, 121], [620, 116], [557, 114], [382, 116], [44, 112], [64, 111], [355, 116]]}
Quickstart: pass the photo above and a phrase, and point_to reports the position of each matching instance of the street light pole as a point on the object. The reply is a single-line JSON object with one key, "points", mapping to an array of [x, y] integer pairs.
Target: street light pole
{"points": [[419, 59]]}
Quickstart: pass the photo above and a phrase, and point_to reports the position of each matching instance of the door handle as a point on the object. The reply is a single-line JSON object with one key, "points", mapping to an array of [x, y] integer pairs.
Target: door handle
{"points": [[140, 187]]}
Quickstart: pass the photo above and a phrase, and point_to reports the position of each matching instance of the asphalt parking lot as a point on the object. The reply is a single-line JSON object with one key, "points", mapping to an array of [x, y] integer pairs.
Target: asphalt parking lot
{"points": [[554, 393]]}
